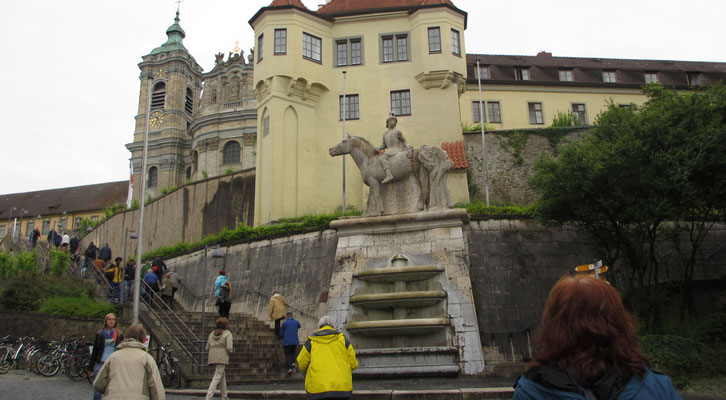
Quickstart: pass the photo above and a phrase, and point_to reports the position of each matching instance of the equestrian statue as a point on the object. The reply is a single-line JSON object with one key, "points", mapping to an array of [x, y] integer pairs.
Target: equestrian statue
{"points": [[427, 166]]}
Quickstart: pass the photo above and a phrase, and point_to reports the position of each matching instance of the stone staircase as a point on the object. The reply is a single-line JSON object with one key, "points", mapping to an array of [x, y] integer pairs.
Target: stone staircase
{"points": [[258, 356]]}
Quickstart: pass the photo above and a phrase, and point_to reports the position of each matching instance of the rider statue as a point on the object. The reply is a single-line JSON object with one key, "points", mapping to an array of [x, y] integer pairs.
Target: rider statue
{"points": [[394, 143]]}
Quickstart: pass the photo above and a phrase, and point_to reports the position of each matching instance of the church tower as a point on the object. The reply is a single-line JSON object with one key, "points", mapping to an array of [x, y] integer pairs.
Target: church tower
{"points": [[175, 80]]}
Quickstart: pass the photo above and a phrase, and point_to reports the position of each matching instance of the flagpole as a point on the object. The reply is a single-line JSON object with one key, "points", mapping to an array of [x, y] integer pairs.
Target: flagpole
{"points": [[483, 138], [140, 241], [345, 104]]}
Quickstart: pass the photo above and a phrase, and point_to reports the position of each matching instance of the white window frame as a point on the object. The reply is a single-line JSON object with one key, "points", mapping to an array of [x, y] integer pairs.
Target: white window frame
{"points": [[402, 105], [397, 41], [352, 109], [580, 110], [434, 35], [521, 73], [609, 77], [455, 42], [280, 45], [650, 77], [565, 75], [536, 114], [311, 43], [483, 73]]}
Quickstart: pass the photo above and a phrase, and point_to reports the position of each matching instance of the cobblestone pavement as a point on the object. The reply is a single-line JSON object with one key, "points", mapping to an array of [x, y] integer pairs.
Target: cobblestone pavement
{"points": [[22, 385]]}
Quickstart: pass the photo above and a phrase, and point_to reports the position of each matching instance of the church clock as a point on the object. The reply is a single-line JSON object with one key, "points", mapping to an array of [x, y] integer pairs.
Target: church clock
{"points": [[156, 119]]}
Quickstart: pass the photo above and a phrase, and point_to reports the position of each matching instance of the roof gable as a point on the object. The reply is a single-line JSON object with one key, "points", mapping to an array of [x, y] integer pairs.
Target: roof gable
{"points": [[337, 7], [296, 3]]}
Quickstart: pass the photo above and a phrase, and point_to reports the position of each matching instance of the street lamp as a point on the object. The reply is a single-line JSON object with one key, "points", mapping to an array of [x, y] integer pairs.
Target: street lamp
{"points": [[133, 235], [20, 223], [10, 217], [216, 253]]}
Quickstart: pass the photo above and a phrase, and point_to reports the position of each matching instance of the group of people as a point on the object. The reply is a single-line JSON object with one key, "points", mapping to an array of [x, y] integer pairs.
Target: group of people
{"points": [[587, 349]]}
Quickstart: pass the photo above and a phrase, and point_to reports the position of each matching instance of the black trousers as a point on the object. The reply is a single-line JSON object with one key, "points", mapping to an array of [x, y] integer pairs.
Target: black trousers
{"points": [[289, 355], [277, 327], [224, 309]]}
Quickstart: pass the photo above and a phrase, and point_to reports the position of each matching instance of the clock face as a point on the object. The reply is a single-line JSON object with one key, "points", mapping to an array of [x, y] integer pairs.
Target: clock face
{"points": [[156, 119]]}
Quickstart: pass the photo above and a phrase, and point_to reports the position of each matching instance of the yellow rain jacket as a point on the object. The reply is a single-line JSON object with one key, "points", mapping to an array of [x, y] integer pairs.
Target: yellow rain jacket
{"points": [[328, 360]]}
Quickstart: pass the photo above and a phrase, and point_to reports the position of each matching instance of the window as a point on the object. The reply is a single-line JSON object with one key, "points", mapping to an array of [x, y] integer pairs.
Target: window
{"points": [[484, 73], [455, 47], [158, 95], [401, 102], [189, 101], [231, 152], [694, 78], [434, 40], [348, 52], [29, 227], [535, 113], [2, 230], [579, 110], [394, 47], [46, 227], [521, 74], [565, 75], [475, 112], [311, 47], [151, 180], [260, 42], [195, 160], [280, 41], [352, 107], [608, 76], [266, 126], [94, 218], [651, 77], [493, 111], [61, 224], [77, 222]]}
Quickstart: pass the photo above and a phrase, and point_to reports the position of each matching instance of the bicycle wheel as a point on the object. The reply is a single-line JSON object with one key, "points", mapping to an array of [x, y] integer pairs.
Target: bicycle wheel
{"points": [[176, 375], [166, 373], [48, 365], [74, 369], [5, 361]]}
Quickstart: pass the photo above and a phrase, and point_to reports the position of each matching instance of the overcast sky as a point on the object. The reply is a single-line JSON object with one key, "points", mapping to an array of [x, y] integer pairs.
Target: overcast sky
{"points": [[70, 80]]}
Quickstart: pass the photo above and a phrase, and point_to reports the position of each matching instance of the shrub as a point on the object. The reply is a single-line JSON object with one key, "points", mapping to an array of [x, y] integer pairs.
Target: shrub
{"points": [[672, 354], [564, 119], [712, 328], [25, 292], [228, 171], [78, 306], [12, 264], [59, 262], [479, 207]]}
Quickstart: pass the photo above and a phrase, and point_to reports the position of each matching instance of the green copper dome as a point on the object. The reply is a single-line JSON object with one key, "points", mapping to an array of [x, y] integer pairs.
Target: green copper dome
{"points": [[174, 42]]}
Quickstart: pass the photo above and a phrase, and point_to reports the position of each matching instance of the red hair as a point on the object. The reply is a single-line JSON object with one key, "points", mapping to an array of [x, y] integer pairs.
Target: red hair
{"points": [[584, 326]]}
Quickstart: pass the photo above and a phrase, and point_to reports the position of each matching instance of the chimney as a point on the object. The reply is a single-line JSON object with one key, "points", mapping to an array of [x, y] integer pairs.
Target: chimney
{"points": [[544, 54]]}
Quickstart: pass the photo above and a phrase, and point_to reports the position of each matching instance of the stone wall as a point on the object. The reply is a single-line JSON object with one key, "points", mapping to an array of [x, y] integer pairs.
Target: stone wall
{"points": [[50, 327], [184, 215], [299, 266], [509, 168]]}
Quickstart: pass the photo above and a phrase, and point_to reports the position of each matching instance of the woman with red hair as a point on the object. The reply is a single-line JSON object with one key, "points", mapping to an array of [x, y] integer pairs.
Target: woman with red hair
{"points": [[587, 348]]}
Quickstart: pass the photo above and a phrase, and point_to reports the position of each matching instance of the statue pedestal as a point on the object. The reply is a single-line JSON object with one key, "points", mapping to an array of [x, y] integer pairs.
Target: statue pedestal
{"points": [[400, 197], [401, 291]]}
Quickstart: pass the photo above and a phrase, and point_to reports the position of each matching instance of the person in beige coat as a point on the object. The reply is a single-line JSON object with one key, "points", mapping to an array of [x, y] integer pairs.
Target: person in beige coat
{"points": [[219, 345], [277, 311], [130, 373]]}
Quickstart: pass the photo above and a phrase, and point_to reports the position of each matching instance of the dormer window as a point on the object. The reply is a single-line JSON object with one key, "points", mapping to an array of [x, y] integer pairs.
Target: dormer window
{"points": [[694, 78], [565, 75], [608, 77], [650, 77], [158, 96], [521, 74], [484, 72]]}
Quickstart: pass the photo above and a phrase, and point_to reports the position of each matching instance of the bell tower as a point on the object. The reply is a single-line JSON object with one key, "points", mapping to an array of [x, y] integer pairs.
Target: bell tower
{"points": [[175, 80]]}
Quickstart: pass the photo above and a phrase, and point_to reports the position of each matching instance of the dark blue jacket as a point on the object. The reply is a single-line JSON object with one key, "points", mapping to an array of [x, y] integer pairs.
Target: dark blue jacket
{"points": [[288, 331], [653, 386], [105, 253]]}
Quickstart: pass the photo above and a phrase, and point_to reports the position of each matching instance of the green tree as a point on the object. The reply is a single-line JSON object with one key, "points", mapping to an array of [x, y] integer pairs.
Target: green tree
{"points": [[644, 175]]}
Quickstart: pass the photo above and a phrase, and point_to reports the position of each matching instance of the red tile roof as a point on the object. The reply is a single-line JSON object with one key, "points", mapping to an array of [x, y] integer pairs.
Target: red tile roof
{"points": [[457, 153], [296, 3], [356, 6]]}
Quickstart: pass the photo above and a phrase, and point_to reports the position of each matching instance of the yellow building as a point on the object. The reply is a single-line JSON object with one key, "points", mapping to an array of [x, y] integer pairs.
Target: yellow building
{"points": [[399, 56], [528, 91], [57, 209]]}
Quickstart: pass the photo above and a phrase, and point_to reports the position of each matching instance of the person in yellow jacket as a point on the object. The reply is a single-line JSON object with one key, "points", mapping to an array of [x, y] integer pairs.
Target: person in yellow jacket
{"points": [[328, 360]]}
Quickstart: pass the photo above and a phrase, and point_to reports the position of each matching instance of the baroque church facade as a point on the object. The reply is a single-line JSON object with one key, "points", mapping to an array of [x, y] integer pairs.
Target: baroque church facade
{"points": [[200, 125]]}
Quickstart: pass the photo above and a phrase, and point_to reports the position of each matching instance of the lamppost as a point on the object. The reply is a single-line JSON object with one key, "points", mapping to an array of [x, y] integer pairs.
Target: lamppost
{"points": [[10, 217], [133, 235], [20, 223], [216, 253]]}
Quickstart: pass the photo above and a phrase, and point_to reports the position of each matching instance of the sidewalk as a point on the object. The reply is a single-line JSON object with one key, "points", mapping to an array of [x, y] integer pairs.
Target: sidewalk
{"points": [[466, 388]]}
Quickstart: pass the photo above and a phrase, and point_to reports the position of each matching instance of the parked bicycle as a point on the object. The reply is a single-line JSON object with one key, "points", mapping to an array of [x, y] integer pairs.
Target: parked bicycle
{"points": [[168, 365]]}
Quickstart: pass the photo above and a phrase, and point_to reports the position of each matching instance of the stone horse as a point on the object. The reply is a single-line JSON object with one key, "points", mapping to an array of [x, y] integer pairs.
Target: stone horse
{"points": [[403, 165]]}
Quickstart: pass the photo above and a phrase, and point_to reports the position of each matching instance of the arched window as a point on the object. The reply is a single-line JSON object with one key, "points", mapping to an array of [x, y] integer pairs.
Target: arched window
{"points": [[195, 161], [189, 103], [158, 95], [231, 153], [189, 172], [152, 179]]}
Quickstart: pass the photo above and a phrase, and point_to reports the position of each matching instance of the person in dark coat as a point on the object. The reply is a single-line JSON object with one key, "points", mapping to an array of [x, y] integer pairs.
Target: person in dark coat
{"points": [[288, 331], [74, 243], [105, 253], [57, 239], [90, 254], [34, 237]]}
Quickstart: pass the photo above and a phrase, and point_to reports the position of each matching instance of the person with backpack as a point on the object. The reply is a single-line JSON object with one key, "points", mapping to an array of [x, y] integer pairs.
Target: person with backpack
{"points": [[90, 255]]}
